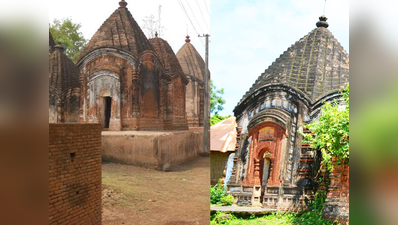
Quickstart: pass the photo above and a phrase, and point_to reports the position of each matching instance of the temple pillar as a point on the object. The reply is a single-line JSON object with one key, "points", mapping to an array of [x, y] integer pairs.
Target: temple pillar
{"points": [[135, 98]]}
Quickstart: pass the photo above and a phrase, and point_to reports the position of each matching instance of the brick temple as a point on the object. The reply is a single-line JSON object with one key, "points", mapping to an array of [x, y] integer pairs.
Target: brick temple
{"points": [[64, 86], [194, 68], [129, 82], [272, 167]]}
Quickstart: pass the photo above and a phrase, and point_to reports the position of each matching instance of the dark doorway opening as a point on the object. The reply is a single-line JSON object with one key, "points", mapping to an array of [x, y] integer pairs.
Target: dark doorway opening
{"points": [[107, 111], [265, 169]]}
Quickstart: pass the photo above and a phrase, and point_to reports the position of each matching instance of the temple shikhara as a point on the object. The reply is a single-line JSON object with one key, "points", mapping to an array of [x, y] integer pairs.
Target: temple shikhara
{"points": [[194, 68], [272, 167], [64, 89], [130, 82]]}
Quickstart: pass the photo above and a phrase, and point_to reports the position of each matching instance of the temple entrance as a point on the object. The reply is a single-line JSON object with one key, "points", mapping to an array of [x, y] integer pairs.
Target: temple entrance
{"points": [[265, 165], [107, 111]]}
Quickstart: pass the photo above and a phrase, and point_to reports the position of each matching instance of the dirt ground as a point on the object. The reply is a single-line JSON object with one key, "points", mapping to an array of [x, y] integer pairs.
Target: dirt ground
{"points": [[135, 195]]}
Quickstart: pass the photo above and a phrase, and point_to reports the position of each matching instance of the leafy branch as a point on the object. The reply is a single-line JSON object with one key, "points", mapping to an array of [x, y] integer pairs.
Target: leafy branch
{"points": [[330, 134]]}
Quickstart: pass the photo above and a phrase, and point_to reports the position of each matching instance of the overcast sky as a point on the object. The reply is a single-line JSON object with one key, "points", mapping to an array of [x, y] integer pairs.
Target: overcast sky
{"points": [[247, 36]]}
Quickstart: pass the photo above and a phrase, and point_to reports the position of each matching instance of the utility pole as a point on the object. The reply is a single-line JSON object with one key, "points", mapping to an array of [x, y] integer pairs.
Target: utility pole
{"points": [[206, 134]]}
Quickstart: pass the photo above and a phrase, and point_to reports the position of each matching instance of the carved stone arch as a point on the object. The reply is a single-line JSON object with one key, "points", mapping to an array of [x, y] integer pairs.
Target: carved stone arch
{"points": [[97, 53], [103, 99], [276, 115]]}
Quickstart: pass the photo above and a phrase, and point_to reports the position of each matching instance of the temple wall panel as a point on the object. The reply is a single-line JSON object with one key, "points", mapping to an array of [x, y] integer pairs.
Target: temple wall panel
{"points": [[103, 84]]}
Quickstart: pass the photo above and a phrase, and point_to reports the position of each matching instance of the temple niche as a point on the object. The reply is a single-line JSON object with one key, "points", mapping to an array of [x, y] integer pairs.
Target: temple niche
{"points": [[273, 168], [127, 83], [193, 67], [64, 86]]}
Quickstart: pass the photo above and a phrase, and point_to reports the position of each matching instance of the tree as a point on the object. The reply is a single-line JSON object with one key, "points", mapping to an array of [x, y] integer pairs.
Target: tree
{"points": [[216, 100], [330, 133], [217, 118], [153, 25], [67, 33]]}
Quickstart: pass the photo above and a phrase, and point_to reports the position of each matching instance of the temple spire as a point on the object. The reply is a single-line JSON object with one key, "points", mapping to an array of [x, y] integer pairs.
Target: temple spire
{"points": [[59, 47], [187, 39], [122, 4], [322, 22]]}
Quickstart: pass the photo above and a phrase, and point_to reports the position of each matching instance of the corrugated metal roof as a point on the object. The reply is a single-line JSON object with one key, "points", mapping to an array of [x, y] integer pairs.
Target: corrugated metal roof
{"points": [[223, 135]]}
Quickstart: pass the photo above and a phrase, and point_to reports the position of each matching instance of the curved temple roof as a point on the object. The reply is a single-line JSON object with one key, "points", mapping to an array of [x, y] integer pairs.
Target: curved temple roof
{"points": [[190, 60], [119, 31], [316, 65], [166, 55], [63, 73]]}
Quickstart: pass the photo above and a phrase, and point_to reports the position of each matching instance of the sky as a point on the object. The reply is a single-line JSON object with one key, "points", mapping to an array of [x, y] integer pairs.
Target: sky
{"points": [[247, 36], [92, 13]]}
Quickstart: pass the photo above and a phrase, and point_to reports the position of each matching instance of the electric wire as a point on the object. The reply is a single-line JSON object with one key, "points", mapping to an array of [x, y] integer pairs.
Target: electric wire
{"points": [[186, 13], [204, 20]]}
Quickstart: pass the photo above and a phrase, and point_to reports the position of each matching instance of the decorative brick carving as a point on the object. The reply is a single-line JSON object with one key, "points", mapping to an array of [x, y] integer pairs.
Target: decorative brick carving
{"points": [[139, 98], [288, 94]]}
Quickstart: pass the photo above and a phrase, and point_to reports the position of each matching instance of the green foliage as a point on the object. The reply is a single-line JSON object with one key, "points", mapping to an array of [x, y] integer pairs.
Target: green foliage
{"points": [[216, 100], [227, 200], [314, 215], [217, 118], [307, 218], [67, 32], [216, 193], [222, 218], [331, 131]]}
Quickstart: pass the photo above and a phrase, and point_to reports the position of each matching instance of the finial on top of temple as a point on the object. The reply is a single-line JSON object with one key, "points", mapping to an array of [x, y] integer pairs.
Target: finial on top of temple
{"points": [[187, 39], [122, 4], [156, 34], [322, 22], [59, 47]]}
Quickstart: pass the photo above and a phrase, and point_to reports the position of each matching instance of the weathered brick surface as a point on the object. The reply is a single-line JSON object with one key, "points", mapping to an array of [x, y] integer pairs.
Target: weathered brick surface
{"points": [[337, 201], [193, 66], [75, 174], [175, 106], [64, 86], [271, 155], [143, 81]]}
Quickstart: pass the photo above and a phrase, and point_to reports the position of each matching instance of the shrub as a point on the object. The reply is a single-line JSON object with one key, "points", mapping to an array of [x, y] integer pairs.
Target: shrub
{"points": [[216, 193], [227, 200]]}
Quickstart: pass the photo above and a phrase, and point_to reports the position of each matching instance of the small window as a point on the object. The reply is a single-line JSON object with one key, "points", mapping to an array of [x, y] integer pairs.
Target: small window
{"points": [[72, 156]]}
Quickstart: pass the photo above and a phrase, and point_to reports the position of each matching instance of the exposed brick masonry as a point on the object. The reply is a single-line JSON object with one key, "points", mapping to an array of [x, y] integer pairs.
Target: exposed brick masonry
{"points": [[75, 174]]}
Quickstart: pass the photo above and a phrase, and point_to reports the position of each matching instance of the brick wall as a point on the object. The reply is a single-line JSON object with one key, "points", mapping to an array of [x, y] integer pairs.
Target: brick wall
{"points": [[75, 174], [337, 200]]}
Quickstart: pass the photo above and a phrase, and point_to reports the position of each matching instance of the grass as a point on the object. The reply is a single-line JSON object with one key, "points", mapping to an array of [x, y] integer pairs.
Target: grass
{"points": [[308, 218]]}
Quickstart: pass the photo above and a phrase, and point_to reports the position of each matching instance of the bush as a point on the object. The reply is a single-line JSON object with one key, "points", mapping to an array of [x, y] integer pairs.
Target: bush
{"points": [[227, 200], [216, 193]]}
